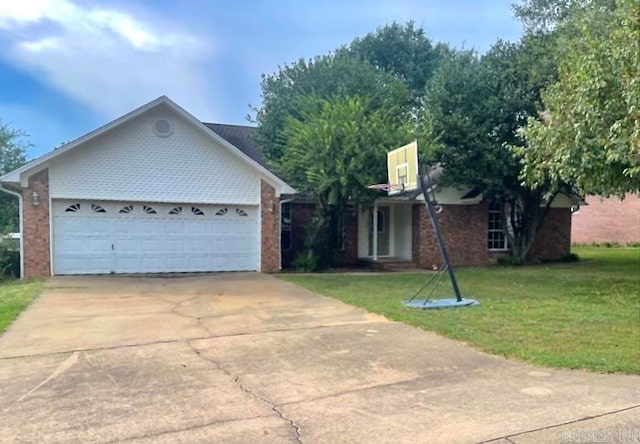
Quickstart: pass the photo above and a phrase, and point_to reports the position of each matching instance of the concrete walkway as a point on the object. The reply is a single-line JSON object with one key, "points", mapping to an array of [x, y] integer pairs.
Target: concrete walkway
{"points": [[245, 357]]}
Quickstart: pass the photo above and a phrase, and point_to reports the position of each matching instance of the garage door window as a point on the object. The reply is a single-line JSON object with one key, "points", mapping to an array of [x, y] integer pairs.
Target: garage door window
{"points": [[72, 208], [97, 208]]}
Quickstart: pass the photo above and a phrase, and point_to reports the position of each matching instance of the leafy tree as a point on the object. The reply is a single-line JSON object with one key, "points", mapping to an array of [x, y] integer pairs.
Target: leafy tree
{"points": [[12, 156], [403, 50], [316, 114], [334, 149], [285, 94], [590, 131], [473, 110]]}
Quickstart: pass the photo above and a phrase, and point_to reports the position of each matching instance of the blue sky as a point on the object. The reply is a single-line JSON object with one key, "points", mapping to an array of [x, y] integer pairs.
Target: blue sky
{"points": [[69, 66]]}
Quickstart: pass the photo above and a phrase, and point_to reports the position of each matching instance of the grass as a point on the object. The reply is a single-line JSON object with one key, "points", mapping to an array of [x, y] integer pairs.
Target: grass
{"points": [[15, 296], [572, 315]]}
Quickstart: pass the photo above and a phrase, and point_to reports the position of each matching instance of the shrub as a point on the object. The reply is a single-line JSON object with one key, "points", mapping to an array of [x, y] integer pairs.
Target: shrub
{"points": [[305, 262], [9, 262], [571, 257], [508, 260]]}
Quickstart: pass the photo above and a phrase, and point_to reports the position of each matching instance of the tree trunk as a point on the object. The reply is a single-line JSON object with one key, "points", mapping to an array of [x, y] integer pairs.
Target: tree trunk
{"points": [[522, 218]]}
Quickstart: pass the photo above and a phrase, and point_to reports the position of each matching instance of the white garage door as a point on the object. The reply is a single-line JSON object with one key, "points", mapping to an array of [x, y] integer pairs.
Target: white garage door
{"points": [[123, 237]]}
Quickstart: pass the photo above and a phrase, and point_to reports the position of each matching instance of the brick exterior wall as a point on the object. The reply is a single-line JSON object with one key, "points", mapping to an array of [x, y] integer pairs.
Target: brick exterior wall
{"points": [[270, 229], [35, 227], [464, 228], [301, 217], [554, 238], [607, 220]]}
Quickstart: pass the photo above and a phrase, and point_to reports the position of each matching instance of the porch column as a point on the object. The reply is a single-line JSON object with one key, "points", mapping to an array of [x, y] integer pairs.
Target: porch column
{"points": [[375, 230]]}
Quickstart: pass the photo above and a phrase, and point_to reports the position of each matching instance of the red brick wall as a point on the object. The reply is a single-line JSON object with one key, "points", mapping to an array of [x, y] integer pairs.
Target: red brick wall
{"points": [[554, 238], [464, 228], [607, 220], [36, 227], [301, 217], [270, 213]]}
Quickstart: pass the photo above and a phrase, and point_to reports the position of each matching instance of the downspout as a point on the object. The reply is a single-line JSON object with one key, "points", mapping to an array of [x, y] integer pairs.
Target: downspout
{"points": [[20, 205]]}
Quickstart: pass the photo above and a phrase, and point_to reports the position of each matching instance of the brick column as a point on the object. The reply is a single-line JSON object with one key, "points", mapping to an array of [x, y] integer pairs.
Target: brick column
{"points": [[35, 226], [270, 229]]}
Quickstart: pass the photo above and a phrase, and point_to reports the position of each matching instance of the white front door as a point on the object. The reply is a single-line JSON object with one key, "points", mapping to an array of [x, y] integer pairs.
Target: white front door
{"points": [[127, 237]]}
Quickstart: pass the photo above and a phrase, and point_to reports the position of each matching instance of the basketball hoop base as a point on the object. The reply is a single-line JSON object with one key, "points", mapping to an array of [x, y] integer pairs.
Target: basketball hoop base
{"points": [[433, 304]]}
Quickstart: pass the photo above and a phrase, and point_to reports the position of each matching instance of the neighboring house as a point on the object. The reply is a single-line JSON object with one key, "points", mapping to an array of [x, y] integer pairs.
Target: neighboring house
{"points": [[607, 220], [153, 191], [471, 226]]}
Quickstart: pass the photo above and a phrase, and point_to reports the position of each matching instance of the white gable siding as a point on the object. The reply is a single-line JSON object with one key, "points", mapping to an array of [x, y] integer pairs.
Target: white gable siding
{"points": [[132, 163]]}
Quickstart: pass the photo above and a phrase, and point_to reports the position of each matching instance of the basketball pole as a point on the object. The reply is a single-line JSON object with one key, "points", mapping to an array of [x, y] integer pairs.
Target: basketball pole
{"points": [[439, 238]]}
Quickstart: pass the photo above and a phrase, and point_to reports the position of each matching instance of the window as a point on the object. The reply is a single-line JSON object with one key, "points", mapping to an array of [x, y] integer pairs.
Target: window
{"points": [[176, 210], [72, 208], [241, 212], [285, 227], [148, 210], [97, 208], [222, 212], [496, 240], [126, 210], [197, 211]]}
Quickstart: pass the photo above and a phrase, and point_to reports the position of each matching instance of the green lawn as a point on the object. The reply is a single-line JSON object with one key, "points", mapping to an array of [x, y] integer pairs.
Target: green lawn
{"points": [[572, 315], [15, 296]]}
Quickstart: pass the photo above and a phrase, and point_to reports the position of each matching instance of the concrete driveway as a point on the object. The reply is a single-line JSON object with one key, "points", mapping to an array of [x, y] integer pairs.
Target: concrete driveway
{"points": [[245, 357]]}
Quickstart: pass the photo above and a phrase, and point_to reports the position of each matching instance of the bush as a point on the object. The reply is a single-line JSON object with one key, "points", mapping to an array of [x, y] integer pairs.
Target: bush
{"points": [[508, 260], [571, 257], [9, 262], [305, 262]]}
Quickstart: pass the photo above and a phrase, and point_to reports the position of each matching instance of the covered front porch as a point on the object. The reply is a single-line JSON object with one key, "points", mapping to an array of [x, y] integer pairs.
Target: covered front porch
{"points": [[387, 237]]}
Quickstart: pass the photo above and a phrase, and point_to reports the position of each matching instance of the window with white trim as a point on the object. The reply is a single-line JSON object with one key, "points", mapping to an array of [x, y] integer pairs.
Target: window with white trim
{"points": [[496, 240]]}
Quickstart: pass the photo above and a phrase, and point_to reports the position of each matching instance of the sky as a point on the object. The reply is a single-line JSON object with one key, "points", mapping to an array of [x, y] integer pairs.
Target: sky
{"points": [[70, 66]]}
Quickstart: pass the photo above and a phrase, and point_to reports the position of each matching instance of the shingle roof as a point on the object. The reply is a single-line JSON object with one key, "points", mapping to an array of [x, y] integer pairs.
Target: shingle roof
{"points": [[240, 136]]}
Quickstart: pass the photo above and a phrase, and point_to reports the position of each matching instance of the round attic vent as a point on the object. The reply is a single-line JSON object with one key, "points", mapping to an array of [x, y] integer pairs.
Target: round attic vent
{"points": [[162, 128]]}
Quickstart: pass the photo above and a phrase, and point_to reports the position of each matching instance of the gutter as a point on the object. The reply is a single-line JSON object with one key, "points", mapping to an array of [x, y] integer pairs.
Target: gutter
{"points": [[20, 205]]}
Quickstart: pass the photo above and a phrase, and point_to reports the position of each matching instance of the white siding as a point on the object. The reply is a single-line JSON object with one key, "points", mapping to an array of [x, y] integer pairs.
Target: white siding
{"points": [[132, 163]]}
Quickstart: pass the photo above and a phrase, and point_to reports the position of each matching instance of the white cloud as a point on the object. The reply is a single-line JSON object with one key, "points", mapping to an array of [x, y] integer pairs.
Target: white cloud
{"points": [[107, 59]]}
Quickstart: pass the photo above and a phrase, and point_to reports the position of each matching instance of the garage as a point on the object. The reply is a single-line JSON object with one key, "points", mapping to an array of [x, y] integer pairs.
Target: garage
{"points": [[154, 191], [97, 237]]}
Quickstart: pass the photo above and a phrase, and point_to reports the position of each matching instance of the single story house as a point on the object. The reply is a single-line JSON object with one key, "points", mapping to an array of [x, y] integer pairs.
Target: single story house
{"points": [[158, 191], [471, 226], [153, 191]]}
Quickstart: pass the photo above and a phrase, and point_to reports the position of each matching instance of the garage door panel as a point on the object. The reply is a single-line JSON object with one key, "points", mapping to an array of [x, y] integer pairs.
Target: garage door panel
{"points": [[140, 241]]}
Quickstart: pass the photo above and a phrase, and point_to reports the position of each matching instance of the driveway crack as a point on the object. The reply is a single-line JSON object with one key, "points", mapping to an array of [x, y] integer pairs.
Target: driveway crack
{"points": [[177, 305], [554, 426], [236, 379]]}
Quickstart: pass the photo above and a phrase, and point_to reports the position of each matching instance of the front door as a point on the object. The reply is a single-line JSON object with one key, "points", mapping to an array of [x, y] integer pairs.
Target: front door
{"points": [[383, 231]]}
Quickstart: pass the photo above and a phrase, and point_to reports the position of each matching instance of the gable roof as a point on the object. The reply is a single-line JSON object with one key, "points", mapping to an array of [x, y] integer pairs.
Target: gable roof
{"points": [[250, 156], [240, 136]]}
